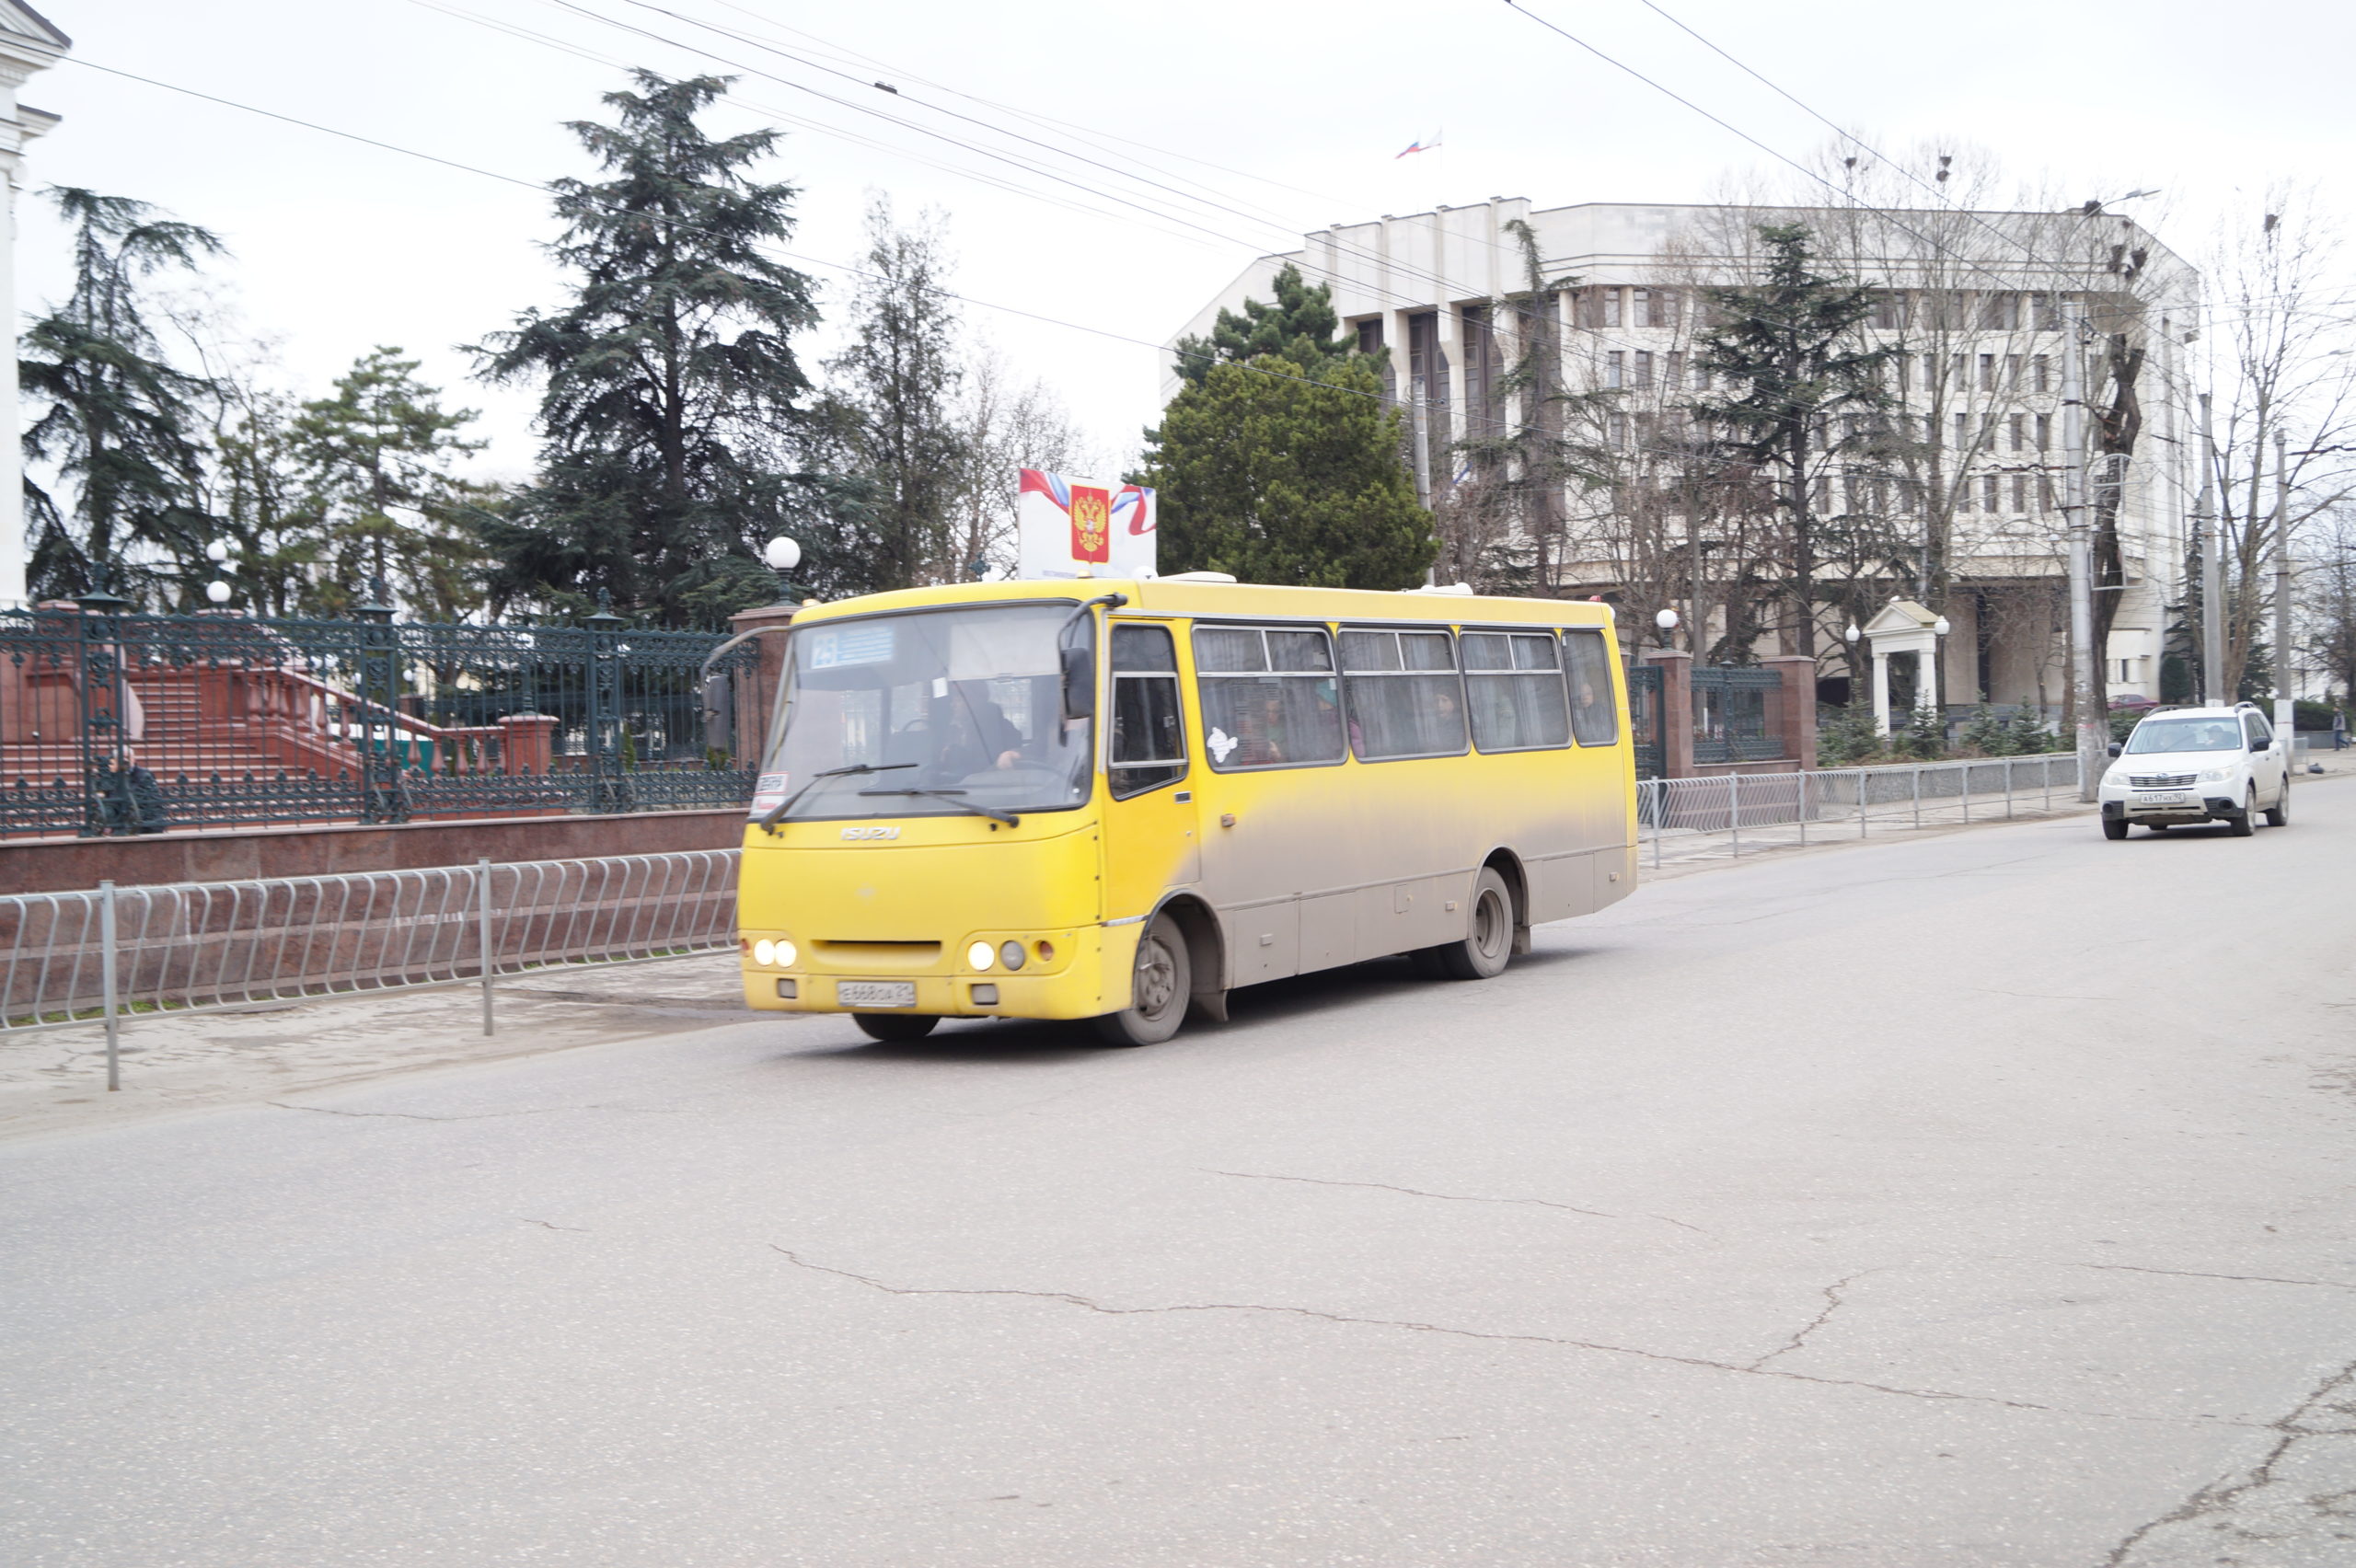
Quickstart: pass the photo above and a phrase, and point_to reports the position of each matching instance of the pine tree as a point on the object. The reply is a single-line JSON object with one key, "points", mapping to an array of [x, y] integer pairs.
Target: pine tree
{"points": [[674, 414], [898, 382], [1278, 477], [1790, 349], [119, 424], [378, 454], [1299, 325]]}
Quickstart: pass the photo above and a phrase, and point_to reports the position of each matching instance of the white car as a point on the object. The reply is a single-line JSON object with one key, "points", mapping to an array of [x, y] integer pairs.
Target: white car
{"points": [[2195, 764]]}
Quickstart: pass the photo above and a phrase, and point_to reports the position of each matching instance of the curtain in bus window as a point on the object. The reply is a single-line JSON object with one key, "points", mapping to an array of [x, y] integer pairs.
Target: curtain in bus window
{"points": [[1515, 686], [1594, 720], [1148, 740], [1403, 695], [1268, 697]]}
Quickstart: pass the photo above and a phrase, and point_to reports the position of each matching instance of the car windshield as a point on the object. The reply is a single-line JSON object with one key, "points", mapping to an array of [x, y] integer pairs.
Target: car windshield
{"points": [[2185, 735], [930, 714]]}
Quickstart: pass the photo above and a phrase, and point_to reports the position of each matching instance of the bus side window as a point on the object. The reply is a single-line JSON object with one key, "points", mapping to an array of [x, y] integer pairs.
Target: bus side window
{"points": [[1515, 682], [1594, 720], [1269, 696], [1404, 697], [1149, 741]]}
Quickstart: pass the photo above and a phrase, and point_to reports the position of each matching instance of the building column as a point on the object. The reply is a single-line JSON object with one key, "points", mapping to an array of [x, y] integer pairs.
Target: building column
{"points": [[21, 54], [1881, 692], [1676, 710], [1796, 707]]}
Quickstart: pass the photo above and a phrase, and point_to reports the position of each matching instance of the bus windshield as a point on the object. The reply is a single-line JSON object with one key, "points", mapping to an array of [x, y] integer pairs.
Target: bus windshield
{"points": [[930, 714]]}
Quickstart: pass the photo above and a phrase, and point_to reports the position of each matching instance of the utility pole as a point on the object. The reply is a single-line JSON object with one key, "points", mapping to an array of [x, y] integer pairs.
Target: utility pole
{"points": [[2093, 744], [2285, 716], [2212, 575]]}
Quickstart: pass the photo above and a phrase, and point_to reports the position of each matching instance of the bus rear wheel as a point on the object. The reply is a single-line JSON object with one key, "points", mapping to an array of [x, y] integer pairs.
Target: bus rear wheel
{"points": [[1162, 986], [891, 1028], [1489, 943]]}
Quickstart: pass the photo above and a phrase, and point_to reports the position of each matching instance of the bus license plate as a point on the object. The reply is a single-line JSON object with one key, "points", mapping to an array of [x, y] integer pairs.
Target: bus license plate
{"points": [[2162, 797], [875, 993]]}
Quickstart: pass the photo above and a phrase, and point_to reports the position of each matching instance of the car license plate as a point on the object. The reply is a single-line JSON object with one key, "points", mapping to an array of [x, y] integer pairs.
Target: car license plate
{"points": [[2162, 797], [875, 993]]}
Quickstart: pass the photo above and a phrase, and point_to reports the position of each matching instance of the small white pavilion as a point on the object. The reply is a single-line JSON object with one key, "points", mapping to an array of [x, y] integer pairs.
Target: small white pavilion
{"points": [[1904, 626]]}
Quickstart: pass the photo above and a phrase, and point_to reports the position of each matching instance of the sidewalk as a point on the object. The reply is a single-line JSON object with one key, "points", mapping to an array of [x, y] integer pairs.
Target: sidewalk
{"points": [[55, 1079]]}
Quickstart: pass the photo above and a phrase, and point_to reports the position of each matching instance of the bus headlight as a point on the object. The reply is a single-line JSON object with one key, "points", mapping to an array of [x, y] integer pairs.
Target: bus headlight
{"points": [[1010, 955], [765, 953], [785, 953], [979, 956]]}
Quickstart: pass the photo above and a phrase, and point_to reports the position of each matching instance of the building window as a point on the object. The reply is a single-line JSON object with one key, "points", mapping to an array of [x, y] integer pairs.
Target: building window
{"points": [[1643, 369], [1955, 377], [1989, 499], [1598, 308], [2013, 372], [1889, 310], [1656, 307], [1963, 433], [1999, 312], [1615, 368], [1987, 373], [2045, 433], [1480, 371], [2039, 372], [2043, 316], [1370, 336], [1676, 372], [2019, 423], [2020, 493], [1905, 375], [2045, 492], [1617, 431], [1822, 499]]}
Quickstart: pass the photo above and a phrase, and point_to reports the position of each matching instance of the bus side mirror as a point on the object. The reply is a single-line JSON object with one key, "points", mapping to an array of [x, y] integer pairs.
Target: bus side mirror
{"points": [[1079, 683]]}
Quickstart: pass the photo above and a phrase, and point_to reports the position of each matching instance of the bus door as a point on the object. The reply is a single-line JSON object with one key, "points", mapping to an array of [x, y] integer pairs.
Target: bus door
{"points": [[1151, 839]]}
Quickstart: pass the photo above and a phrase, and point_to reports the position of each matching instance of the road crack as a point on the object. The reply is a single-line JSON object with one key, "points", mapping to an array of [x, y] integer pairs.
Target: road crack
{"points": [[1832, 1302], [2225, 1492], [1596, 1347], [2195, 1273], [1454, 1197], [477, 1116]]}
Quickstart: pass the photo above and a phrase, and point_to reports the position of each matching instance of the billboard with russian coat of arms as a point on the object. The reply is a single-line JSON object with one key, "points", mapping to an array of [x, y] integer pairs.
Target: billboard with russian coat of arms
{"points": [[1070, 528]]}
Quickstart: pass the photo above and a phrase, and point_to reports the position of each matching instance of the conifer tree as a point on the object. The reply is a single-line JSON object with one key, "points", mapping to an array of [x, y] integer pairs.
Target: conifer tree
{"points": [[1789, 348], [1276, 477], [674, 410], [1299, 325], [114, 419]]}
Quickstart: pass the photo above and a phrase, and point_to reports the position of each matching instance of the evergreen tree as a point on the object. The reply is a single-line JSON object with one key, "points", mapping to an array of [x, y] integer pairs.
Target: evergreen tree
{"points": [[673, 400], [1790, 350], [1279, 477], [1299, 325], [378, 454], [118, 422], [898, 382]]}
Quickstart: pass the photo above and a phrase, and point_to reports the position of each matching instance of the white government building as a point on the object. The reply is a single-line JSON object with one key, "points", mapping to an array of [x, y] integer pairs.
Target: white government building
{"points": [[27, 43], [1979, 300]]}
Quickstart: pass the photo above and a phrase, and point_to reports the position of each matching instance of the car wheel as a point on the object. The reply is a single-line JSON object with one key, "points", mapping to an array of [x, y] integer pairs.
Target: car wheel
{"points": [[2247, 822], [1489, 943], [2114, 829], [893, 1028], [1162, 986], [2279, 813]]}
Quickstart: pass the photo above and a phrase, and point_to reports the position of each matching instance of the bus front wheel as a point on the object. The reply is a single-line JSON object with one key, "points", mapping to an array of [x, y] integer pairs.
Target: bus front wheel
{"points": [[1162, 986], [1489, 943], [892, 1027]]}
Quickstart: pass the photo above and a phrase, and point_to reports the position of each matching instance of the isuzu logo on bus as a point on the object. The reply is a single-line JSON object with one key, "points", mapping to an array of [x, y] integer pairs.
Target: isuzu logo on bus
{"points": [[870, 832]]}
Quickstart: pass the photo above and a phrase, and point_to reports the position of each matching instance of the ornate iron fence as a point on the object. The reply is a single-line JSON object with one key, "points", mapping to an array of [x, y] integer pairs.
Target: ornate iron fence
{"points": [[113, 721], [1730, 714]]}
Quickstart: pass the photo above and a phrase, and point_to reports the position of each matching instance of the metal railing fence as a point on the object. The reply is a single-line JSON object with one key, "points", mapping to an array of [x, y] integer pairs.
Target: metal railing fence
{"points": [[99, 956], [1737, 813]]}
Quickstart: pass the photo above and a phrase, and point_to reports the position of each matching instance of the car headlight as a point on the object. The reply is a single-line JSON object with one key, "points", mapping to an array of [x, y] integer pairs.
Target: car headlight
{"points": [[765, 953], [979, 956], [2215, 775]]}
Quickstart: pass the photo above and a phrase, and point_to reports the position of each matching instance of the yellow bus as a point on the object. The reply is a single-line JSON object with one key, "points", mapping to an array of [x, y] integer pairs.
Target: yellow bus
{"points": [[1120, 800]]}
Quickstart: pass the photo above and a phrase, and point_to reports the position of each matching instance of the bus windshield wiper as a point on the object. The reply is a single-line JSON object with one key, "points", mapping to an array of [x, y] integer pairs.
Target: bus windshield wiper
{"points": [[769, 823], [952, 797]]}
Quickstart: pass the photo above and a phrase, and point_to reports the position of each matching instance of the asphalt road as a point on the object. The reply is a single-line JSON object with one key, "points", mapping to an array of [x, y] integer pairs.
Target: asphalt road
{"points": [[1982, 1200]]}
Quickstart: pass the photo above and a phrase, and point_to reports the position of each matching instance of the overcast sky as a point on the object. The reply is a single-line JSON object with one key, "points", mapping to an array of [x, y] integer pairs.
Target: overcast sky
{"points": [[338, 247]]}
